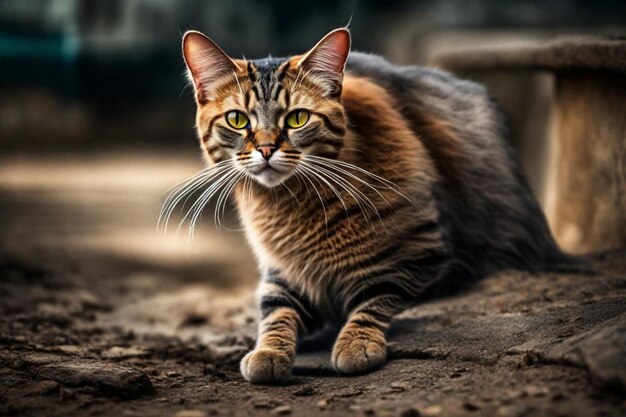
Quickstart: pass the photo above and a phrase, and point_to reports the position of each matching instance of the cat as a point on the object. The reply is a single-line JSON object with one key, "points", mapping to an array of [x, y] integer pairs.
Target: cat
{"points": [[362, 187]]}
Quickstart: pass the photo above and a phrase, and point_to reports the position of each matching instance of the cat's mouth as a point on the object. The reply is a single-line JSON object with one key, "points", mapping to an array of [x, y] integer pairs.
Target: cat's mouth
{"points": [[268, 174], [264, 166]]}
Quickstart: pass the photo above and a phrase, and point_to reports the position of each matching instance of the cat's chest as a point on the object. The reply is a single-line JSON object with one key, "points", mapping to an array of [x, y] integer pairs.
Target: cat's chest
{"points": [[311, 239], [282, 232]]}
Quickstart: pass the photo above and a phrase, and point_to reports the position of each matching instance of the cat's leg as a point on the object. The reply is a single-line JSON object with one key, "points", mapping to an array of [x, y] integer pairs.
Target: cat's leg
{"points": [[361, 345], [285, 315]]}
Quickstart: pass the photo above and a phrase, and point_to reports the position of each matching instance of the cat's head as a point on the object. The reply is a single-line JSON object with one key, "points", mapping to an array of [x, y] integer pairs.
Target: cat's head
{"points": [[267, 116]]}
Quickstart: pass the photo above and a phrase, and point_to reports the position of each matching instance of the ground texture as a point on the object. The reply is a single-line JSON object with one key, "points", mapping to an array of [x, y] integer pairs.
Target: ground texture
{"points": [[99, 317]]}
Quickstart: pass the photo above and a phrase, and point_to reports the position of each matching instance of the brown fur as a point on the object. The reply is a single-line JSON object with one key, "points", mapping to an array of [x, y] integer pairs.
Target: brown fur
{"points": [[376, 198]]}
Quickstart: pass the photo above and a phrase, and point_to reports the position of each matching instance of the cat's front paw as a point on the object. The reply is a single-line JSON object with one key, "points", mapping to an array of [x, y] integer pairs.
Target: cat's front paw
{"points": [[358, 354], [266, 365]]}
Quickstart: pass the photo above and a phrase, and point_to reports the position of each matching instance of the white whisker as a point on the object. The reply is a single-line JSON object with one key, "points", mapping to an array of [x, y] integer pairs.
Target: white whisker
{"points": [[185, 189]]}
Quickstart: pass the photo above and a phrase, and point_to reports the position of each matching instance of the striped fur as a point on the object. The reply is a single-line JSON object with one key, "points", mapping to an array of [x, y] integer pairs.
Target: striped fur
{"points": [[399, 183]]}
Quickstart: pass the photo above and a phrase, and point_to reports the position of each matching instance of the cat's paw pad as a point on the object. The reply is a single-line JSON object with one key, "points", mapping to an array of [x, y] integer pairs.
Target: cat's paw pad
{"points": [[264, 365], [358, 355]]}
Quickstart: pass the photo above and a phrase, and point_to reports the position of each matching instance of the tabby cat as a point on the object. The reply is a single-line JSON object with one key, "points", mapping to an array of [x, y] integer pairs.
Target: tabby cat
{"points": [[362, 186]]}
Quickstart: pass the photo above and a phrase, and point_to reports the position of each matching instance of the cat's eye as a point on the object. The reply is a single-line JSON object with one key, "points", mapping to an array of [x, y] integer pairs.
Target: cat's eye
{"points": [[237, 119], [297, 118]]}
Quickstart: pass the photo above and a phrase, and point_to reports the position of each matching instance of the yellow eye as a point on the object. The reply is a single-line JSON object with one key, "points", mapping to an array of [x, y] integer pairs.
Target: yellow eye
{"points": [[297, 118], [237, 119]]}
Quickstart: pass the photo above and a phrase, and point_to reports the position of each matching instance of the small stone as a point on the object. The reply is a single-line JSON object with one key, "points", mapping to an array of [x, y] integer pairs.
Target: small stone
{"points": [[410, 412], [264, 404], [119, 353], [455, 375], [535, 391], [322, 403], [69, 349], [433, 410], [282, 410], [399, 386], [100, 378], [191, 413], [172, 374], [515, 411]]}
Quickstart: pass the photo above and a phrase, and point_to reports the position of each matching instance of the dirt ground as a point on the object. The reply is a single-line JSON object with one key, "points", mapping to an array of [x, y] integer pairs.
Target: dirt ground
{"points": [[101, 315]]}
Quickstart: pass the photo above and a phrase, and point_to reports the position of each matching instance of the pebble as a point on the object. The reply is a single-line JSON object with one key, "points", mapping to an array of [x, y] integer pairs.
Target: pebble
{"points": [[191, 413], [515, 411], [536, 391], [69, 349], [282, 410], [101, 377], [399, 386], [264, 404], [433, 410], [119, 353]]}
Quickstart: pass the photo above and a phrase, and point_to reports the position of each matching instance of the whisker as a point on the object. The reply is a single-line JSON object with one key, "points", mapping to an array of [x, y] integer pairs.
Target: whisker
{"points": [[333, 189], [359, 201], [304, 176], [224, 198], [351, 175], [291, 192], [355, 167], [239, 85], [196, 209], [185, 188], [390, 185]]}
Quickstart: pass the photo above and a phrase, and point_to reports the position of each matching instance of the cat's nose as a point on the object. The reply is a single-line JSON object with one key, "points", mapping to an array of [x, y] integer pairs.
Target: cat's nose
{"points": [[266, 150]]}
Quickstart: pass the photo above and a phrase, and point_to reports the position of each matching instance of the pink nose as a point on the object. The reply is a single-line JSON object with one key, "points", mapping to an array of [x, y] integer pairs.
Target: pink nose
{"points": [[266, 150]]}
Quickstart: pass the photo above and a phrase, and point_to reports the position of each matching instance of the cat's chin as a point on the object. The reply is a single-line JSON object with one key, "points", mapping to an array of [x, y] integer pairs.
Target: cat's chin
{"points": [[270, 177]]}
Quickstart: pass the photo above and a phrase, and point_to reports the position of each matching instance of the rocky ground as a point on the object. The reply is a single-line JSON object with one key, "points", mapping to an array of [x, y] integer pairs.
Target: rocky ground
{"points": [[98, 316]]}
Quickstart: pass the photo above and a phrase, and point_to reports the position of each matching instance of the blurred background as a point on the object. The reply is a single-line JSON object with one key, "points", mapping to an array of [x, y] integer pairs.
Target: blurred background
{"points": [[96, 120]]}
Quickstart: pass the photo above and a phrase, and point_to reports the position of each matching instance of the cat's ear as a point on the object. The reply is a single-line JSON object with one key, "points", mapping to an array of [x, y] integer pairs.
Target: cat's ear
{"points": [[206, 63], [327, 59]]}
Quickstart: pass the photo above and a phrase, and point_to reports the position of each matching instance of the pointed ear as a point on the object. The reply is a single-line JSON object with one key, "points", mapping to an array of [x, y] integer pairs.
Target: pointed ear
{"points": [[206, 63], [328, 59]]}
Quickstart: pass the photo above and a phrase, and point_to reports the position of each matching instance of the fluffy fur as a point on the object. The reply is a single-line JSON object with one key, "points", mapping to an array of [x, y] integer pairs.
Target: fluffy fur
{"points": [[400, 183]]}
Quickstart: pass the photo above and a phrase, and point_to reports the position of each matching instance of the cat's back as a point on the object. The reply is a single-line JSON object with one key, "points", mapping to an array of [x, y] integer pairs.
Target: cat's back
{"points": [[486, 206], [433, 92]]}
